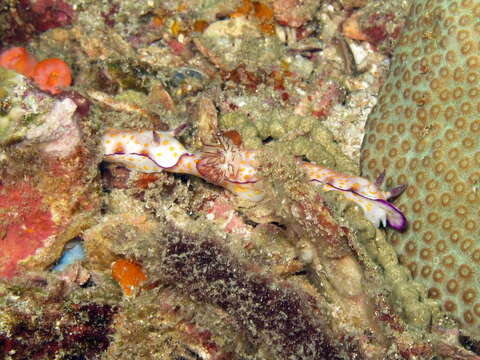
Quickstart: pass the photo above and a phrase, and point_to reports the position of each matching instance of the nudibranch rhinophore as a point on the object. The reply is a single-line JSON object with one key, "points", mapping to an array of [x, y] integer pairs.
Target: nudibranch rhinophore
{"points": [[226, 164]]}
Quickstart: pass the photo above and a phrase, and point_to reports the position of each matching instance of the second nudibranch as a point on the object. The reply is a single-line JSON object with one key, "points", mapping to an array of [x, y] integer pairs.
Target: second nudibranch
{"points": [[372, 200], [225, 163]]}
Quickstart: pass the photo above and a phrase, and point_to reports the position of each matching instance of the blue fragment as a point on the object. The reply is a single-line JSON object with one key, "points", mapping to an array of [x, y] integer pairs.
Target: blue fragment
{"points": [[183, 75], [70, 255]]}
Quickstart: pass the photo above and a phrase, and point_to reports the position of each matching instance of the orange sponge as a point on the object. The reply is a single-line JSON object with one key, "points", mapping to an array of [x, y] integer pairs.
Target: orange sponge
{"points": [[52, 75], [18, 59], [128, 274]]}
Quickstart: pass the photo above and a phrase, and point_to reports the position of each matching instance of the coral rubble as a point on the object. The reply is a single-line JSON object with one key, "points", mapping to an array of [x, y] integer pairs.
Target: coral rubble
{"points": [[40, 320]]}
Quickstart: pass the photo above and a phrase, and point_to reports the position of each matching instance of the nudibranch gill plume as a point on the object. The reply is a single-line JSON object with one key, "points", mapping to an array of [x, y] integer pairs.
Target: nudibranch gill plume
{"points": [[226, 163]]}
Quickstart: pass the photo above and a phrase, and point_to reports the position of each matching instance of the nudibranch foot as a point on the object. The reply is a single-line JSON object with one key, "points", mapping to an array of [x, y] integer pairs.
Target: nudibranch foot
{"points": [[395, 218], [378, 211]]}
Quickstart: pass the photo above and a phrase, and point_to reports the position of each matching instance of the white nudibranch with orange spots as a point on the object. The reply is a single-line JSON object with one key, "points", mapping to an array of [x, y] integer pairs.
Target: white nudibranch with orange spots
{"points": [[222, 163], [225, 163], [372, 200], [147, 151]]}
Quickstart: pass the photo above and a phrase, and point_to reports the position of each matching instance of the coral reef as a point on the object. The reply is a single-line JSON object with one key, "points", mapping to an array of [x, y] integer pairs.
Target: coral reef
{"points": [[174, 266], [237, 277], [424, 132], [47, 193], [266, 309], [226, 163], [168, 325], [277, 315]]}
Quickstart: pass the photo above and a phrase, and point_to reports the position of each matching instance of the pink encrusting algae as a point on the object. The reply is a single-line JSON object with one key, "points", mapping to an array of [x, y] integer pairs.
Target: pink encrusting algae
{"points": [[226, 164], [25, 225]]}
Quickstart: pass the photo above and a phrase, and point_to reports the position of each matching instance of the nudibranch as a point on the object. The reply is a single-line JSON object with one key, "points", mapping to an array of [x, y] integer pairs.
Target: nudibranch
{"points": [[227, 164], [372, 200], [148, 151]]}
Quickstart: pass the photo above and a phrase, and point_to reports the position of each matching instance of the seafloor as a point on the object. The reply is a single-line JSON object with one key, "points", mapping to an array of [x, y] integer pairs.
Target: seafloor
{"points": [[101, 262]]}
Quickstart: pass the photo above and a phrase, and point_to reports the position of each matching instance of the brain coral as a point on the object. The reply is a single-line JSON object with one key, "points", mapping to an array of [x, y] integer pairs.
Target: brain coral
{"points": [[425, 132]]}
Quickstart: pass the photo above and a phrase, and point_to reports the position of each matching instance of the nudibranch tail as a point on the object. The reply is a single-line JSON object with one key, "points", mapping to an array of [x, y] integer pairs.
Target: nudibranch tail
{"points": [[395, 218]]}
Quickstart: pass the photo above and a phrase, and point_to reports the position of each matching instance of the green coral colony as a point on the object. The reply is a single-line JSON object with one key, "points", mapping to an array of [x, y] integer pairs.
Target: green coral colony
{"points": [[425, 132]]}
